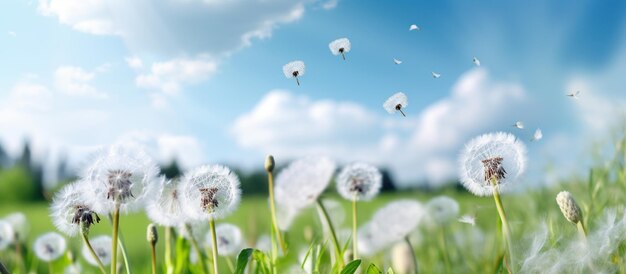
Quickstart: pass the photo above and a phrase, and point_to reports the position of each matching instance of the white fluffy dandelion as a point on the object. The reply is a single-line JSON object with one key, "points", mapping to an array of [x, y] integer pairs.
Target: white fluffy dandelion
{"points": [[414, 27], [20, 226], [396, 61], [538, 135], [498, 156], [300, 184], [6, 234], [467, 219], [70, 208], [435, 75], [476, 61], [50, 246], [102, 247], [294, 69], [442, 210], [340, 46], [165, 207], [210, 192], [120, 176], [229, 239], [519, 125], [396, 103], [359, 181]]}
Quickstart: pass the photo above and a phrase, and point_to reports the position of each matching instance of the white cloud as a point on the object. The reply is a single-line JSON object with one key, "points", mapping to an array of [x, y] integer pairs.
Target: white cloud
{"points": [[30, 96], [171, 75], [185, 149], [12, 33], [134, 62], [330, 4], [289, 125], [75, 81]]}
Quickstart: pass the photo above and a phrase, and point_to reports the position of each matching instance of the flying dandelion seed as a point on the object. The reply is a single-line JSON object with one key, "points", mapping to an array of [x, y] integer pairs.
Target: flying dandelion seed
{"points": [[396, 103], [102, 247], [340, 46], [538, 135], [435, 75], [300, 184], [574, 95], [359, 181], [50, 246], [6, 234], [476, 61], [165, 208], [20, 226], [294, 69], [414, 27], [209, 192], [519, 125], [120, 177], [442, 210], [467, 219], [70, 209], [396, 61], [229, 239], [494, 154]]}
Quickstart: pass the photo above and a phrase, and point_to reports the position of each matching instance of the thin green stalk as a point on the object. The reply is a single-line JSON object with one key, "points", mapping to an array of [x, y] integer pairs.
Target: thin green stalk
{"points": [[332, 233], [413, 256], [279, 237], [506, 230], [214, 245], [120, 242], [168, 250], [444, 248], [230, 264], [154, 264], [582, 229], [116, 224], [354, 226], [196, 246], [93, 253], [50, 268]]}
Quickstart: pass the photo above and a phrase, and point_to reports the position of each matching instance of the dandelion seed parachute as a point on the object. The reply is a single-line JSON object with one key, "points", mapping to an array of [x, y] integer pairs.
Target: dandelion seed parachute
{"points": [[396, 103], [50, 246], [300, 184], [6, 234], [19, 224], [210, 191], [442, 210], [359, 181], [490, 147], [340, 46], [229, 239], [69, 207], [121, 175], [102, 247], [294, 69], [165, 207]]}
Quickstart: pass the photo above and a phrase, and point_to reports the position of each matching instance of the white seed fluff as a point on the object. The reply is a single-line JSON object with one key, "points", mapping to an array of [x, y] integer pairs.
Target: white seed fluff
{"points": [[359, 181], [210, 191], [294, 69], [301, 183], [340, 45], [50, 246], [442, 210], [398, 99], [6, 234], [229, 239], [165, 208], [69, 207]]}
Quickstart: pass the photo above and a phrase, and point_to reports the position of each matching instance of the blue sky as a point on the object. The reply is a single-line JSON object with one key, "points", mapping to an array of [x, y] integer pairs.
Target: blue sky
{"points": [[201, 80]]}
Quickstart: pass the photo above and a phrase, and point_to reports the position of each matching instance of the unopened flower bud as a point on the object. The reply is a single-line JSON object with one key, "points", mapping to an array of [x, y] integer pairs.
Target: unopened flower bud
{"points": [[269, 163], [569, 207], [152, 236]]}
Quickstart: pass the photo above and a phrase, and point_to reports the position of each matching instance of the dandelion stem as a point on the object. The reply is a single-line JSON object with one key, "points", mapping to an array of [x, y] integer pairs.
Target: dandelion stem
{"points": [[154, 264], [402, 112], [230, 264], [93, 253], [333, 235], [214, 245], [168, 250], [297, 81], [343, 55], [505, 224], [270, 177], [196, 246], [413, 256], [50, 268], [444, 248], [582, 229], [116, 223], [354, 225], [120, 242]]}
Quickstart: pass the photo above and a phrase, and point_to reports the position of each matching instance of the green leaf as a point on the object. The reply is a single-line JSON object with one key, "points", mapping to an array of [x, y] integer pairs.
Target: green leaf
{"points": [[263, 262], [351, 267], [390, 270], [373, 269], [242, 260]]}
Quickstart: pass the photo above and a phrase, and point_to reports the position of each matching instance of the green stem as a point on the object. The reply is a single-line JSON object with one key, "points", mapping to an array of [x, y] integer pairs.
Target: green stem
{"points": [[214, 245], [168, 250], [120, 242], [354, 232], [154, 263], [582, 229], [279, 237], [506, 230], [116, 224], [413, 256], [333, 235], [93, 253], [50, 268], [196, 246], [444, 248], [230, 264]]}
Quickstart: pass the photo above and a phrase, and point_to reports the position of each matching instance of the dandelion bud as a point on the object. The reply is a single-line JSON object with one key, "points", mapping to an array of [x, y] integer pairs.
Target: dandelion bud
{"points": [[152, 236], [269, 163], [569, 207]]}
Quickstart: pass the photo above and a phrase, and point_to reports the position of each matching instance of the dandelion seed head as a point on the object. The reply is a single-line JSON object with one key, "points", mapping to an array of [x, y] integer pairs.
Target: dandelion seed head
{"points": [[442, 210], [50, 246], [359, 181], [294, 69], [121, 176], [74, 268], [165, 208], [229, 239], [210, 191], [301, 183], [499, 156], [19, 225], [6, 234], [396, 102], [339, 46], [69, 209], [102, 247], [264, 243], [285, 215], [569, 207]]}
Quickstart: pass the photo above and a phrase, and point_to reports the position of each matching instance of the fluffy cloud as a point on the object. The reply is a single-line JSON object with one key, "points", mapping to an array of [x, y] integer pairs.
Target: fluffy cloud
{"points": [[76, 81], [169, 76], [292, 126]]}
